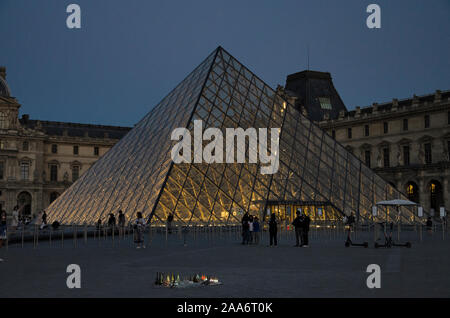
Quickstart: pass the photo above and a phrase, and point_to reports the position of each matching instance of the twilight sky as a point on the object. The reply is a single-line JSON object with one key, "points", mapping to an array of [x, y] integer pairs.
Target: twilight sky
{"points": [[129, 54]]}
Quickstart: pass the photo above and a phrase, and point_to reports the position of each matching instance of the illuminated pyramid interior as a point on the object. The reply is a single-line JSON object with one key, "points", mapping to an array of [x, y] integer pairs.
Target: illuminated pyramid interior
{"points": [[315, 172]]}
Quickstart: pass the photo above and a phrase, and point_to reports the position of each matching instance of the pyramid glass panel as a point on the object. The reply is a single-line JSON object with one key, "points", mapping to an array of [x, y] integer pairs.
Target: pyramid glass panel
{"points": [[315, 172]]}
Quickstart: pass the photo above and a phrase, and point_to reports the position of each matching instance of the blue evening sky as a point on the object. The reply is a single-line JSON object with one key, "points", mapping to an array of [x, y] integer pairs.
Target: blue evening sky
{"points": [[129, 54]]}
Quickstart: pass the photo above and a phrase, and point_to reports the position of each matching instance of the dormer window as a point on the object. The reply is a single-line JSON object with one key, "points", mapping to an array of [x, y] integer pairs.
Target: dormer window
{"points": [[325, 103]]}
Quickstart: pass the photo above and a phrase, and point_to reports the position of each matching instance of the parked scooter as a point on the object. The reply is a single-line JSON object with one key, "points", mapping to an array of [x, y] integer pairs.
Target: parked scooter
{"points": [[350, 220]]}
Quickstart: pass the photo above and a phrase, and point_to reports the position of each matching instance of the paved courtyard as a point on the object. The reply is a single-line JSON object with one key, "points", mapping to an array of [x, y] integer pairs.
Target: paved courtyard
{"points": [[326, 269]]}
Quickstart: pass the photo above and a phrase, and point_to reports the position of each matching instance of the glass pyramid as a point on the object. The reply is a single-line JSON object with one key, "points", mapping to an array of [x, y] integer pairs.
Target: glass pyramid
{"points": [[138, 174]]}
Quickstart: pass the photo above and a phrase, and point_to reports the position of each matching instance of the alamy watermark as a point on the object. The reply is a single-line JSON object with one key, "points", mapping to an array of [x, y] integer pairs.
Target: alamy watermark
{"points": [[213, 151]]}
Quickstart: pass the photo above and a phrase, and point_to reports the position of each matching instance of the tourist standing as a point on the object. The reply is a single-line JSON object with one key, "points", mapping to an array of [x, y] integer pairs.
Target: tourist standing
{"points": [[121, 222], [250, 229], [256, 230], [44, 220], [245, 228], [139, 226], [99, 224], [3, 227], [297, 223], [273, 229], [305, 230], [169, 223], [15, 218]]}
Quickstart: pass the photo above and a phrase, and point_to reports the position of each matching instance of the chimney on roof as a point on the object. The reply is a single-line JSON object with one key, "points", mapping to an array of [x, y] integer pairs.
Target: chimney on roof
{"points": [[358, 111], [25, 118], [415, 101], [3, 72], [437, 96], [374, 108], [394, 104]]}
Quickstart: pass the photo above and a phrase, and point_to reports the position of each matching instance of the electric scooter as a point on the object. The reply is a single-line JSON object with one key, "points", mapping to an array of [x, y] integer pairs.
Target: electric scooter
{"points": [[349, 242], [388, 243]]}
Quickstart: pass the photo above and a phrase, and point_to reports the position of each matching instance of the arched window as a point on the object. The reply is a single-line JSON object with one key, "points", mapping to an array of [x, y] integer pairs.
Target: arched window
{"points": [[24, 199], [412, 191], [436, 196], [3, 120]]}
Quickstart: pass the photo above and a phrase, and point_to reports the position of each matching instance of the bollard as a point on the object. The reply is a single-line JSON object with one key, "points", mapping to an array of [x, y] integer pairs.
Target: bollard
{"points": [[23, 233]]}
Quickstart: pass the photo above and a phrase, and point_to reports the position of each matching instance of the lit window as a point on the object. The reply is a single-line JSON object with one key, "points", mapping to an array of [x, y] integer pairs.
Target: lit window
{"points": [[410, 190], [325, 102]]}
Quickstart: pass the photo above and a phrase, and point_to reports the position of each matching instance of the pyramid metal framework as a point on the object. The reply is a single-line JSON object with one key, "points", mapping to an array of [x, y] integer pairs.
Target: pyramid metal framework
{"points": [[138, 174]]}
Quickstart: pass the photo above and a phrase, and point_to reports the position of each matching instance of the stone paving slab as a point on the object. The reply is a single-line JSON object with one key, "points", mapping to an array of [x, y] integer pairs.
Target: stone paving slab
{"points": [[326, 269]]}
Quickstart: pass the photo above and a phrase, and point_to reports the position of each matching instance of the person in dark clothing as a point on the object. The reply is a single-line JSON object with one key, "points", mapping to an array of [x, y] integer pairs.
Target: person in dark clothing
{"points": [[350, 221], [3, 228], [273, 230], [121, 218], [305, 230], [256, 230], [44, 220], [112, 220], [429, 224], [99, 224], [298, 227], [245, 228], [169, 223], [121, 222]]}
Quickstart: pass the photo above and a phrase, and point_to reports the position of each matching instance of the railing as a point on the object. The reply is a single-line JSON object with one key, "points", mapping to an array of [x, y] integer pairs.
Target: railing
{"points": [[161, 235]]}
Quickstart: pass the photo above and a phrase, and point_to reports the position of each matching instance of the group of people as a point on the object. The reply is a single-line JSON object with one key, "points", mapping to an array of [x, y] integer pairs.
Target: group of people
{"points": [[251, 229], [138, 225]]}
